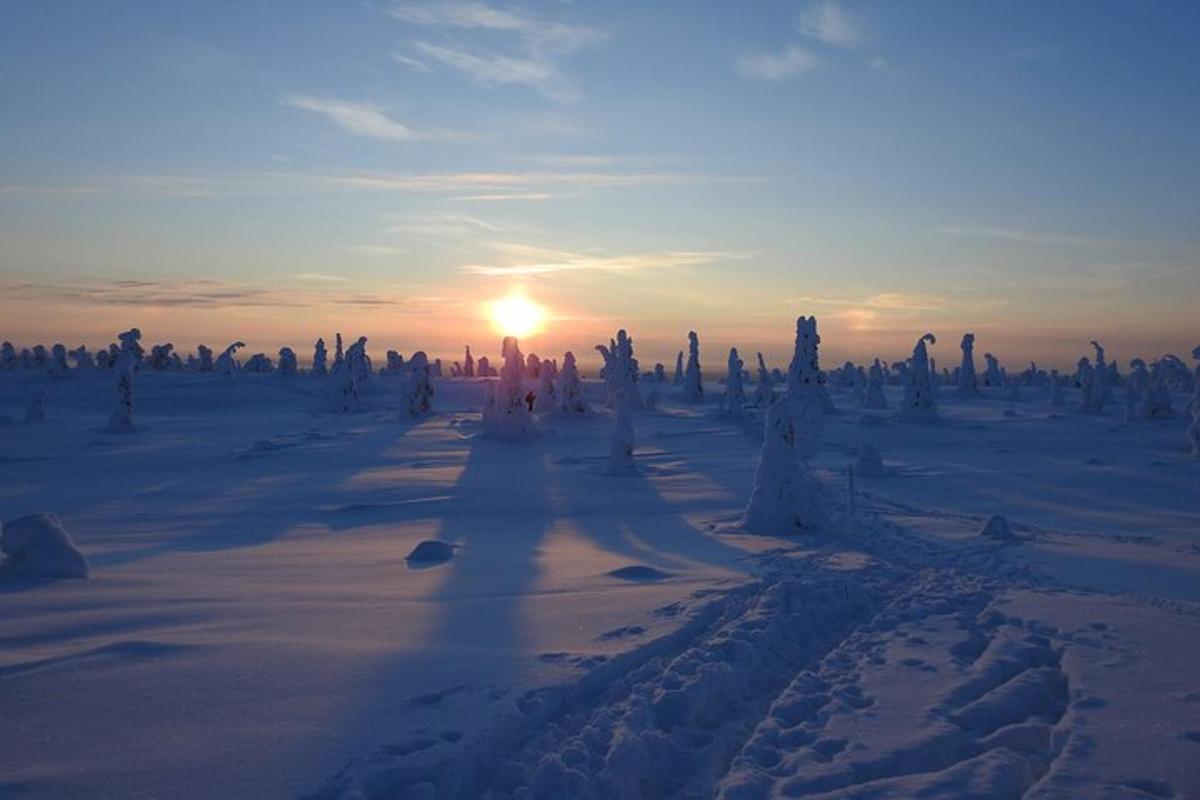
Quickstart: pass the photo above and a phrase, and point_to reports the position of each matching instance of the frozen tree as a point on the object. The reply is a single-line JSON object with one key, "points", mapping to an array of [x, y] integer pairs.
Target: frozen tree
{"points": [[131, 345], [874, 397], [968, 382], [547, 395], [58, 360], [258, 363], [660, 373], [227, 363], [804, 372], [1137, 386], [339, 355], [992, 376], [468, 364], [287, 361], [533, 366], [1012, 389], [620, 458], [678, 378], [735, 393], [1086, 378], [1056, 393], [505, 412], [40, 355], [121, 418], [320, 366], [859, 387], [786, 497], [764, 392], [420, 385], [620, 370], [8, 356], [570, 388], [919, 402], [483, 368], [1158, 396], [160, 357], [38, 545], [82, 358], [395, 362], [206, 358], [358, 362], [693, 384], [1102, 389], [1194, 428], [36, 410]]}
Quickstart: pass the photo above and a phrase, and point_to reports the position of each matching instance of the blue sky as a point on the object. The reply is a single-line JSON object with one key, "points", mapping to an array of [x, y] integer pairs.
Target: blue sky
{"points": [[273, 171]]}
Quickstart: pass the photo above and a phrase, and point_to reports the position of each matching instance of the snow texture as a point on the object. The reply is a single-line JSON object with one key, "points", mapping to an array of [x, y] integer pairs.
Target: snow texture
{"points": [[37, 545]]}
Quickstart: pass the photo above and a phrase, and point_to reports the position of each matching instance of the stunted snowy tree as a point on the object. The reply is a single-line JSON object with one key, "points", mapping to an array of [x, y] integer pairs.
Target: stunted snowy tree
{"points": [[693, 384], [1056, 390], [920, 405], [1102, 390], [992, 376], [160, 357], [968, 382], [8, 356], [1158, 395], [735, 393], [570, 388], [874, 397], [660, 372], [1086, 377], [786, 497], [419, 393], [121, 418], [678, 378], [804, 372], [1194, 428], [259, 363], [227, 363], [1137, 386], [205, 355], [287, 361], [58, 360], [468, 369], [395, 362], [620, 370], [82, 358], [547, 394], [620, 458], [483, 368], [131, 345], [505, 412], [359, 362], [533, 366], [764, 392], [339, 355], [320, 366]]}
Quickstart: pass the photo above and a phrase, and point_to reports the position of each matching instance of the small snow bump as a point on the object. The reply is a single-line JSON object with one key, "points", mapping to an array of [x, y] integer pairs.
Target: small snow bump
{"points": [[431, 551], [639, 572]]}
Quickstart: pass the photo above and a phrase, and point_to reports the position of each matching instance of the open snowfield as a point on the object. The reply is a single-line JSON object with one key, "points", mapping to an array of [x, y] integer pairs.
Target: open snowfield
{"points": [[252, 629]]}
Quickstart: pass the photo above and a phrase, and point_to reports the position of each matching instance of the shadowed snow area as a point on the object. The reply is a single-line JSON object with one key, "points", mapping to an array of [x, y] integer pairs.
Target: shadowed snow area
{"points": [[287, 603]]}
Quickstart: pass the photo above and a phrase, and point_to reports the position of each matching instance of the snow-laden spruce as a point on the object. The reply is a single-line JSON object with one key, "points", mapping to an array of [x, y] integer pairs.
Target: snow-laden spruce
{"points": [[678, 377], [160, 357], [227, 362], [786, 497], [259, 363], [359, 363], [919, 404], [8, 356], [287, 361], [570, 388], [620, 370], [121, 418], [968, 381], [82, 358], [693, 384], [1056, 398], [620, 457], [804, 371], [204, 359], [1137, 387], [547, 394], [468, 369], [131, 345], [1158, 394], [37, 545], [735, 393], [506, 413], [991, 375], [320, 366], [764, 391], [419, 392], [874, 398], [58, 360]]}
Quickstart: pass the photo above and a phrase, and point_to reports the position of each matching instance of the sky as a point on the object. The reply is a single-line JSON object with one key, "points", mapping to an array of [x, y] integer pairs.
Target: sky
{"points": [[277, 171]]}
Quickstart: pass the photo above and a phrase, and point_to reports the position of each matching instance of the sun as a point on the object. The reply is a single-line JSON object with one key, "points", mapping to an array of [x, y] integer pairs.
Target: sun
{"points": [[516, 315]]}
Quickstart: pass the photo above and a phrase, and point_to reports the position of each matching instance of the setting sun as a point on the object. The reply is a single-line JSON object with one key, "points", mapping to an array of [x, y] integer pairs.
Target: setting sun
{"points": [[516, 315]]}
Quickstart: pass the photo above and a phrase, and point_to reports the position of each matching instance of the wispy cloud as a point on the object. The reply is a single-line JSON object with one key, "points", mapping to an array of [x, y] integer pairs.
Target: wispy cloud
{"points": [[375, 250], [360, 119], [828, 22], [505, 182], [881, 302], [536, 49], [776, 66], [522, 259], [443, 224], [317, 276], [1026, 237], [501, 197]]}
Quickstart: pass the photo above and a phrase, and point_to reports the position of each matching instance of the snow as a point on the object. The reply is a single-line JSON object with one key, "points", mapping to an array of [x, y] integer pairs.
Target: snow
{"points": [[37, 545], [253, 626]]}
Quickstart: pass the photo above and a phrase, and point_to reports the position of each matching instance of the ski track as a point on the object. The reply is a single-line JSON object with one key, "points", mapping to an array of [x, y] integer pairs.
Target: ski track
{"points": [[755, 694]]}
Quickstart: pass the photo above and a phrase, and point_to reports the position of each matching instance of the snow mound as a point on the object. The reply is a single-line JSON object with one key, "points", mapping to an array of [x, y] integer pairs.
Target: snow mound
{"points": [[431, 551], [639, 572], [997, 527], [38, 545]]}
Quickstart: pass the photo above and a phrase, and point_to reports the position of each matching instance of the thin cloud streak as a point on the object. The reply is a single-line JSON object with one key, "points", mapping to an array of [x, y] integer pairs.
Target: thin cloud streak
{"points": [[532, 260], [777, 66], [360, 119]]}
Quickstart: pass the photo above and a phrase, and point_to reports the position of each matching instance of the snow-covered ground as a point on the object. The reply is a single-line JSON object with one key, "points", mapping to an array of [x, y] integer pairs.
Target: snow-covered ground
{"points": [[252, 628]]}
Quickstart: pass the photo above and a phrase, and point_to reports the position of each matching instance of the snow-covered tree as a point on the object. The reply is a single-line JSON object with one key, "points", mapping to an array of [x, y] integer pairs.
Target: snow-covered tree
{"points": [[468, 364], [483, 368], [678, 378], [58, 360], [395, 362], [358, 362], [786, 497], [620, 370], [8, 356], [506, 412], [533, 366], [919, 402], [259, 363], [1158, 396], [660, 373], [547, 394], [764, 392], [82, 358], [121, 418], [693, 384], [570, 388], [1085, 376], [874, 398], [287, 361], [227, 363], [1137, 386], [131, 345], [804, 372], [620, 458], [160, 357], [1102, 390], [419, 394], [205, 358], [339, 355], [735, 393], [1194, 428], [968, 381], [992, 376], [1056, 393], [320, 366]]}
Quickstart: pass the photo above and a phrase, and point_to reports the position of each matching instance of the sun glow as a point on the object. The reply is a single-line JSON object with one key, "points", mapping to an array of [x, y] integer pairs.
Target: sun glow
{"points": [[516, 315]]}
